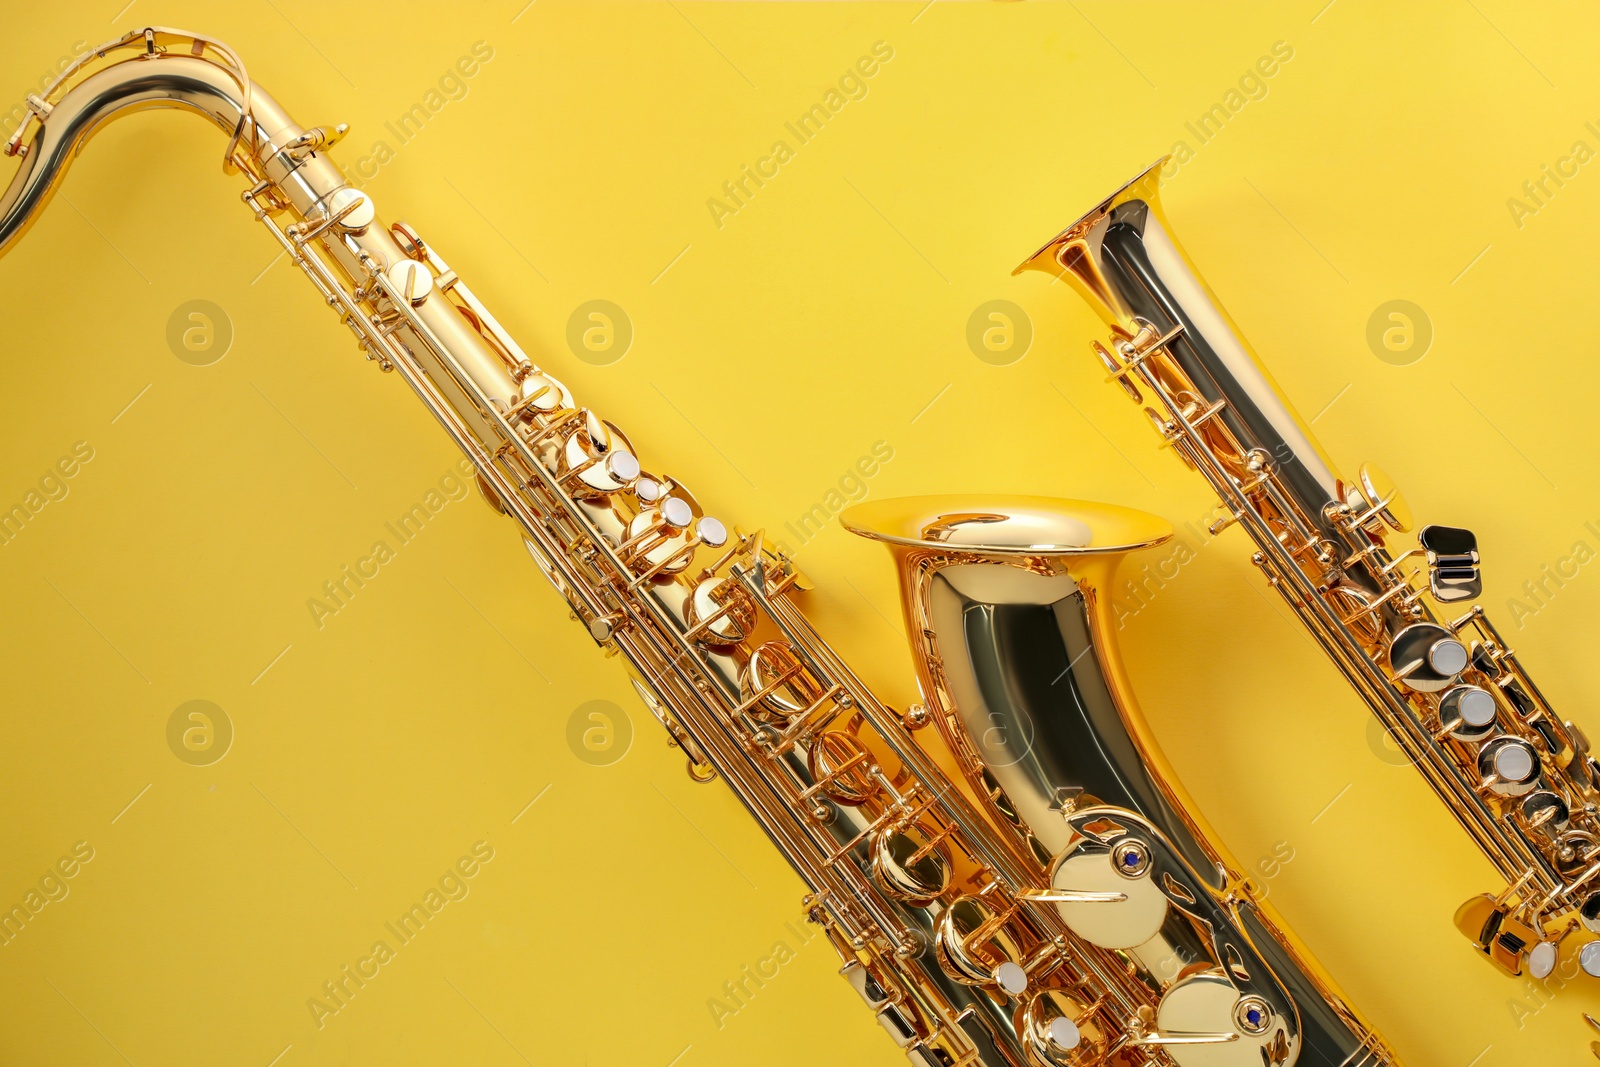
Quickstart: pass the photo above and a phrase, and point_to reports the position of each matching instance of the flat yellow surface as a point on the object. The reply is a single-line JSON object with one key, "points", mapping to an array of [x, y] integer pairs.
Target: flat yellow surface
{"points": [[776, 340]]}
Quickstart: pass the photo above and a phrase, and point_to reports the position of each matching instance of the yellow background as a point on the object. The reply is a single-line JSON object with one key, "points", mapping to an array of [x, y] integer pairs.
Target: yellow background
{"points": [[823, 317]]}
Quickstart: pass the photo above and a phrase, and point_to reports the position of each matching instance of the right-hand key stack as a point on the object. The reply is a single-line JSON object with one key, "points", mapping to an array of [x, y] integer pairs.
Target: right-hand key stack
{"points": [[1441, 678]]}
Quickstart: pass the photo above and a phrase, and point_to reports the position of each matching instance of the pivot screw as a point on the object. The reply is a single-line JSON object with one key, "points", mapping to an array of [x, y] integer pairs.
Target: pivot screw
{"points": [[1252, 1016], [1131, 859]]}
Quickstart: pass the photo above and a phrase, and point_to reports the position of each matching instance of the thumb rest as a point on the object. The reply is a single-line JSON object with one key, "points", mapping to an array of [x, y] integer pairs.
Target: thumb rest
{"points": [[1052, 908], [1449, 691]]}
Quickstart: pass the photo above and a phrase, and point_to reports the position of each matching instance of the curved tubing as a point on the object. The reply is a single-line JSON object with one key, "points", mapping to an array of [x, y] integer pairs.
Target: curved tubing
{"points": [[188, 83]]}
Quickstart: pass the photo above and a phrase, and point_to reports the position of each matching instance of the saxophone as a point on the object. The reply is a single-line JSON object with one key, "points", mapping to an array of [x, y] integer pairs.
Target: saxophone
{"points": [[1023, 886], [1447, 687]]}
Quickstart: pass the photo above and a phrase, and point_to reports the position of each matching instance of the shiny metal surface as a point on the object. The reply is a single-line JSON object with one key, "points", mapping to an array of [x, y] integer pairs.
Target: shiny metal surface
{"points": [[1517, 776], [1126, 262], [1007, 599]]}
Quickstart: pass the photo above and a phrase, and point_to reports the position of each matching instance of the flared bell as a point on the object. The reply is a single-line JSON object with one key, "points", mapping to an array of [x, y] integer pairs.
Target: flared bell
{"points": [[1008, 602]]}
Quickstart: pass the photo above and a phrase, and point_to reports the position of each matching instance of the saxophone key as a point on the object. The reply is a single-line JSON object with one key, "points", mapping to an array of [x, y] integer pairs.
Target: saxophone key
{"points": [[841, 767], [655, 538], [541, 395], [1222, 518], [351, 210], [1498, 929], [1102, 903], [1509, 766], [1204, 1021], [597, 459], [1542, 959], [1376, 503], [775, 684], [1452, 554], [680, 535], [1546, 813], [409, 281], [316, 139], [974, 944], [719, 611], [1058, 1030], [1467, 713], [1117, 372], [1426, 657], [911, 863]]}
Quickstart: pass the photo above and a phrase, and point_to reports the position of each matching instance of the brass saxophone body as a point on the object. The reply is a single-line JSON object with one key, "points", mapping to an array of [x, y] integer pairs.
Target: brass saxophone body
{"points": [[1053, 907], [1439, 675]]}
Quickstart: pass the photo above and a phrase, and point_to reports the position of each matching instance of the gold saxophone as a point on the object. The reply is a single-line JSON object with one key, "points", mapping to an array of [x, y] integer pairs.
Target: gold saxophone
{"points": [[1449, 690], [1025, 885]]}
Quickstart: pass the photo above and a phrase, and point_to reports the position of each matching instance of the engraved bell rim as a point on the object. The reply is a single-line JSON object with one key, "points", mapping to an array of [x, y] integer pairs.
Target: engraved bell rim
{"points": [[1006, 525]]}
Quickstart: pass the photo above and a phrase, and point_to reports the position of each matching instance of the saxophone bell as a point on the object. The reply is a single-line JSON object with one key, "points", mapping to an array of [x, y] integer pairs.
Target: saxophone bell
{"points": [[1009, 604]]}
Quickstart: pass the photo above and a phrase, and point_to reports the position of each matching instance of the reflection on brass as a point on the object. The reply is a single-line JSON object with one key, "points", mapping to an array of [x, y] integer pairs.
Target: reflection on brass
{"points": [[1011, 599]]}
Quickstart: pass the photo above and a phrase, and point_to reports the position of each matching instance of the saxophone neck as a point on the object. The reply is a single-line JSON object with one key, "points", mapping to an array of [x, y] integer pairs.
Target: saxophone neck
{"points": [[166, 69]]}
